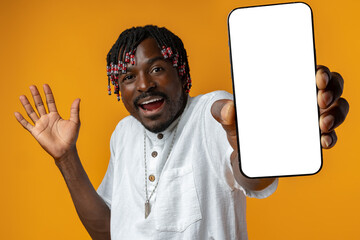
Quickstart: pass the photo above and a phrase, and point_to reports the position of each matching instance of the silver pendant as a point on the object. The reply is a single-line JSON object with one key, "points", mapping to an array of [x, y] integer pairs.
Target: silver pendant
{"points": [[147, 208]]}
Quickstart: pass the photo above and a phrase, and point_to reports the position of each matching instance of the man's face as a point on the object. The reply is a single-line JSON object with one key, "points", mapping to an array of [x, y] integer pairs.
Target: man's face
{"points": [[151, 89]]}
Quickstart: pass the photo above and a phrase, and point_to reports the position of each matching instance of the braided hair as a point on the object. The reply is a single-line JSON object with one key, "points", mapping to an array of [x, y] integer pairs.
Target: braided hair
{"points": [[123, 53]]}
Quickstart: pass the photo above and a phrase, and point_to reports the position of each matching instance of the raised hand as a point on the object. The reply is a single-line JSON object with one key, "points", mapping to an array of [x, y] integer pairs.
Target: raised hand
{"points": [[56, 135]]}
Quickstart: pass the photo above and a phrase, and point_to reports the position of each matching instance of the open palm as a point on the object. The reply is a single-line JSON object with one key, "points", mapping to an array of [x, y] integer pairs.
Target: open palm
{"points": [[56, 135]]}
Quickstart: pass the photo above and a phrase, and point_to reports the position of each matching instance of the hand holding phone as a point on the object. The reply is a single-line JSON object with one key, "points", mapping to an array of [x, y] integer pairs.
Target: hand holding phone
{"points": [[273, 69]]}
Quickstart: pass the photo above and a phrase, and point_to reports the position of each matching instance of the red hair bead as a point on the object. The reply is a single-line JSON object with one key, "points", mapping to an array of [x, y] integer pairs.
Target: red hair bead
{"points": [[116, 70], [112, 68], [127, 58], [163, 52], [169, 51]]}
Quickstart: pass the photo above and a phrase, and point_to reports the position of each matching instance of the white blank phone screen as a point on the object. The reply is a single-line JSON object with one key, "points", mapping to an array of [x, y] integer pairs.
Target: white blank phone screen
{"points": [[273, 69]]}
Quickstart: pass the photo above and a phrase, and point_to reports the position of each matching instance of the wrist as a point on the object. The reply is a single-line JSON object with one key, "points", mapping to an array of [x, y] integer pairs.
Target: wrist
{"points": [[253, 184], [68, 156]]}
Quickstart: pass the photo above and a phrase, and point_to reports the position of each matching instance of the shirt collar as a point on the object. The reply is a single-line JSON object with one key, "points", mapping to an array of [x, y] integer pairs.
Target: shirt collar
{"points": [[162, 136]]}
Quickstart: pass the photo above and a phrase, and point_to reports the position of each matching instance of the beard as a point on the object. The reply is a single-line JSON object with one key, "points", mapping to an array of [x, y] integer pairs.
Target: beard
{"points": [[174, 113]]}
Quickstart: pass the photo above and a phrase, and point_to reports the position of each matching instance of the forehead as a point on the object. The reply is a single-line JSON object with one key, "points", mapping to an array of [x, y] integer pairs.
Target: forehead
{"points": [[147, 48]]}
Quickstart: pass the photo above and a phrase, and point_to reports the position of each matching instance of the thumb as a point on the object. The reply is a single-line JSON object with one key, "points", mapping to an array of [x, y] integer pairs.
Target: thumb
{"points": [[224, 112], [74, 111]]}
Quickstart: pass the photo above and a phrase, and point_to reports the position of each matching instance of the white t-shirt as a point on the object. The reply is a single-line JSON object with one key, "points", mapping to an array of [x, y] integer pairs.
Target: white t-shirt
{"points": [[197, 196]]}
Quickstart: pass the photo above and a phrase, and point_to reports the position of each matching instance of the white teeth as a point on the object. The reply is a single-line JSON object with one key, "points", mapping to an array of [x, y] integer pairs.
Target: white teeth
{"points": [[150, 101]]}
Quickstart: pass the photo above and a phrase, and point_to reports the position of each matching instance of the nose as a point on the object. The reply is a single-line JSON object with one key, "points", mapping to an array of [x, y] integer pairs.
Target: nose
{"points": [[145, 83]]}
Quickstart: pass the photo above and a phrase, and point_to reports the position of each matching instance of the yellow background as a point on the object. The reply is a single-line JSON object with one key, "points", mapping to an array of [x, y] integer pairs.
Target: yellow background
{"points": [[64, 43]]}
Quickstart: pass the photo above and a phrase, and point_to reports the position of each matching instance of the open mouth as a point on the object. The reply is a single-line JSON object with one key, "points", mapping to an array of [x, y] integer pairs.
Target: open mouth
{"points": [[152, 104]]}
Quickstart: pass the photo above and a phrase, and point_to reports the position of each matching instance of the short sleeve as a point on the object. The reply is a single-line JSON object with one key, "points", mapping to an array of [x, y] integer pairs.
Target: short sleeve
{"points": [[265, 192], [105, 189]]}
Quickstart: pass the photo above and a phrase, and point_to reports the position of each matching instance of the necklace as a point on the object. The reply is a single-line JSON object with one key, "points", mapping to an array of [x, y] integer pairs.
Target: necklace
{"points": [[147, 201]]}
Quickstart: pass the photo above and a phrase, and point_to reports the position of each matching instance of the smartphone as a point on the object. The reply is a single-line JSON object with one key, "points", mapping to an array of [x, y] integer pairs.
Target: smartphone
{"points": [[273, 66]]}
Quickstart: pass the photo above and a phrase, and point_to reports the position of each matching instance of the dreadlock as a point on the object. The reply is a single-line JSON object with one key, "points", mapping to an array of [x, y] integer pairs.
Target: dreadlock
{"points": [[123, 53]]}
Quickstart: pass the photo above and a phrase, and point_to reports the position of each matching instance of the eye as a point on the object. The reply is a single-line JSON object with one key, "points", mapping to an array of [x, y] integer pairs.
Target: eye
{"points": [[157, 69], [128, 77]]}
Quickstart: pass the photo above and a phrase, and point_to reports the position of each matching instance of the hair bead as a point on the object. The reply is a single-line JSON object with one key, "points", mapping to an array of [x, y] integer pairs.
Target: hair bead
{"points": [[132, 59], [169, 51], [127, 58], [108, 71], [164, 52]]}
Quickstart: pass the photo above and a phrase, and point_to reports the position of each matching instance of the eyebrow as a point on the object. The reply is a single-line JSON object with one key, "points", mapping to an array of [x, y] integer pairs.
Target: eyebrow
{"points": [[152, 60], [149, 62]]}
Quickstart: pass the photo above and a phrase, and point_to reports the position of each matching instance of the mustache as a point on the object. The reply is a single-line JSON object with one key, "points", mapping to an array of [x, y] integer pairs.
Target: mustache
{"points": [[148, 94]]}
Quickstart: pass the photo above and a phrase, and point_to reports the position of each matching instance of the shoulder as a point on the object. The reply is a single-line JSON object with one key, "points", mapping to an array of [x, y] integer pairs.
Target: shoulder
{"points": [[125, 123], [127, 126], [205, 101], [198, 112], [213, 96]]}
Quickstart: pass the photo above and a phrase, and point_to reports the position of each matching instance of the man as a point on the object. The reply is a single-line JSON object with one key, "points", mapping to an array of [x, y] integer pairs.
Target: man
{"points": [[173, 172]]}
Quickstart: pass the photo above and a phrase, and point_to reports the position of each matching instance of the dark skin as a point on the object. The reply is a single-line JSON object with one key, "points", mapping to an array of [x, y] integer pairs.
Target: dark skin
{"points": [[153, 74], [58, 137], [152, 78]]}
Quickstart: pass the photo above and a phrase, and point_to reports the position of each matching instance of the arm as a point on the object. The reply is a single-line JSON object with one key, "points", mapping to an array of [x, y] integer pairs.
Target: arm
{"points": [[58, 137], [333, 111], [224, 112]]}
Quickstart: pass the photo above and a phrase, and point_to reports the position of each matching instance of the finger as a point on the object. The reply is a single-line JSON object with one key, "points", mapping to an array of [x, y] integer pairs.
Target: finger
{"points": [[29, 109], [74, 111], [328, 140], [50, 101], [224, 112], [23, 121], [325, 98], [38, 100], [336, 85], [334, 116], [333, 89], [322, 76], [332, 92]]}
